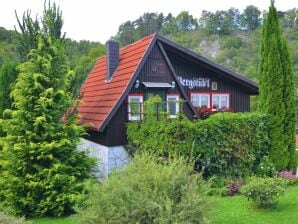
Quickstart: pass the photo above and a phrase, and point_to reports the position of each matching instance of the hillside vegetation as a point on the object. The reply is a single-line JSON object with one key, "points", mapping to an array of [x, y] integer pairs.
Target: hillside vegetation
{"points": [[231, 38]]}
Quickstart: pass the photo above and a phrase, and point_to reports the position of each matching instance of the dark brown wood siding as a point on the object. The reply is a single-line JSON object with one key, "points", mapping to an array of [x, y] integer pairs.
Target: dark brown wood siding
{"points": [[155, 69], [161, 74], [239, 97]]}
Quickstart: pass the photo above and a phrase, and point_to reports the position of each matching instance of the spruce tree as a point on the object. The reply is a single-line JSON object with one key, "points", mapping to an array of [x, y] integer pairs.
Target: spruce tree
{"points": [[277, 91], [42, 172]]}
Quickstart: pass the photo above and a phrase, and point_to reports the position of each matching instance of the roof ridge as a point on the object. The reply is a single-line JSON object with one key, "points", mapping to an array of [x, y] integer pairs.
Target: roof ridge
{"points": [[138, 41]]}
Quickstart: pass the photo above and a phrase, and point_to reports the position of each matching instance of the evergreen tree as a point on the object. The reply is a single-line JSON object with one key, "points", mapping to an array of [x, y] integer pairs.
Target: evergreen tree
{"points": [[42, 172], [277, 90], [8, 75], [289, 100], [50, 23]]}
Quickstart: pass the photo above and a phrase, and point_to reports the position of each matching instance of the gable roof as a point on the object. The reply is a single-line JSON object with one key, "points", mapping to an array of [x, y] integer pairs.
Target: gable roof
{"points": [[228, 73], [99, 96]]}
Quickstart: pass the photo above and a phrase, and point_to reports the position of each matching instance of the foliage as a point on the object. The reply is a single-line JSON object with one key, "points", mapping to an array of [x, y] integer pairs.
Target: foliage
{"points": [[6, 219], [50, 24], [149, 190], [51, 220], [148, 23], [289, 176], [225, 144], [42, 172], [238, 50], [266, 168], [234, 187], [8, 75], [277, 92], [250, 18], [83, 66], [264, 191]]}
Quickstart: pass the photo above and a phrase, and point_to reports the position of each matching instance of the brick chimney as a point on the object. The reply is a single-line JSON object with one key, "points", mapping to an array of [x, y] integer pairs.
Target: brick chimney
{"points": [[112, 57]]}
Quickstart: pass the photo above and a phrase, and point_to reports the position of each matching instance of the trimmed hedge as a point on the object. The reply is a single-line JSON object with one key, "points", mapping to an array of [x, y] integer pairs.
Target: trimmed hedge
{"points": [[226, 144]]}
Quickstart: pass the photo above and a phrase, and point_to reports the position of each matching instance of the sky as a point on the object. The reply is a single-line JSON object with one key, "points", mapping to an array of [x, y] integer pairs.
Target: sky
{"points": [[98, 20]]}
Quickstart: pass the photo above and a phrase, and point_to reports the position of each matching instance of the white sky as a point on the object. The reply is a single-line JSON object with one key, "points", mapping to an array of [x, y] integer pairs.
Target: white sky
{"points": [[98, 20]]}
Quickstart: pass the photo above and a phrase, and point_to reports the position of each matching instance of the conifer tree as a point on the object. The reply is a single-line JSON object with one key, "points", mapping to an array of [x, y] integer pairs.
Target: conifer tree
{"points": [[42, 172], [50, 23], [277, 90], [8, 75], [289, 100]]}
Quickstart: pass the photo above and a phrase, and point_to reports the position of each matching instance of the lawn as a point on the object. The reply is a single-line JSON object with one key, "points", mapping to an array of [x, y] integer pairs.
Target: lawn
{"points": [[238, 210], [234, 210]]}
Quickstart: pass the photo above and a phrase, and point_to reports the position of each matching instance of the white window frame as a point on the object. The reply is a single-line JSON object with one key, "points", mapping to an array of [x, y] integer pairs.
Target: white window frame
{"points": [[177, 105], [219, 100], [136, 117], [200, 98]]}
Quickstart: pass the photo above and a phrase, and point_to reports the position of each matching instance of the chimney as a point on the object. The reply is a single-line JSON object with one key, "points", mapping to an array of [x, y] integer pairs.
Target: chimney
{"points": [[112, 57]]}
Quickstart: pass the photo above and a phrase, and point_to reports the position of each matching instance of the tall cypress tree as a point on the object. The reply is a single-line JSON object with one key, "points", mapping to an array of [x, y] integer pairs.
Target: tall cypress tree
{"points": [[277, 91], [42, 172], [289, 100]]}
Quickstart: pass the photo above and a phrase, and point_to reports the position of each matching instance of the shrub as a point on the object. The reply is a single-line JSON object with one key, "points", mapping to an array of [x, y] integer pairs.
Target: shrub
{"points": [[151, 191], [5, 219], [234, 187], [266, 168], [289, 176], [225, 144], [264, 192]]}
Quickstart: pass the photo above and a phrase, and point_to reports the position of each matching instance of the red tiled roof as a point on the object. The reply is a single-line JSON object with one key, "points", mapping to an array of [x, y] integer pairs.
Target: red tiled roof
{"points": [[99, 96]]}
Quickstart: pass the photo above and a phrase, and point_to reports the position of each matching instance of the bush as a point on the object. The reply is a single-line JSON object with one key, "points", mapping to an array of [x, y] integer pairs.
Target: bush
{"points": [[225, 144], [5, 219], [289, 176], [234, 187], [151, 191], [264, 192], [266, 168]]}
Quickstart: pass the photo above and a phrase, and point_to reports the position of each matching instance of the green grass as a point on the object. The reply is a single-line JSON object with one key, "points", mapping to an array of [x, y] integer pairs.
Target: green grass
{"points": [[237, 210], [234, 210], [65, 220]]}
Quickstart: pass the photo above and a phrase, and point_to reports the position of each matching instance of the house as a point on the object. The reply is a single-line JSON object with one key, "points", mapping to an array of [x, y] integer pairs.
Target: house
{"points": [[124, 79]]}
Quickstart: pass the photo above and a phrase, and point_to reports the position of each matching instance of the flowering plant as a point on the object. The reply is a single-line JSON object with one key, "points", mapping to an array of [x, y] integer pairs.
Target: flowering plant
{"points": [[289, 176], [234, 187]]}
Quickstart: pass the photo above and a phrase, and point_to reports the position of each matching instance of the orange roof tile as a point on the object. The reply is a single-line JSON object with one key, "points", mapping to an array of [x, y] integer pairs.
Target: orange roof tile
{"points": [[99, 96]]}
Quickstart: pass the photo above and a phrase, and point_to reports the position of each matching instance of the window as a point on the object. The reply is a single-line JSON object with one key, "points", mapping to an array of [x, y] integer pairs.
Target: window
{"points": [[220, 101], [199, 100], [172, 105], [214, 85], [135, 107]]}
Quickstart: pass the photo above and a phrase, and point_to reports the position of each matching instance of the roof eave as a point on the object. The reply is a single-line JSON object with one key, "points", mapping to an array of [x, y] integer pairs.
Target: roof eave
{"points": [[128, 87], [251, 85]]}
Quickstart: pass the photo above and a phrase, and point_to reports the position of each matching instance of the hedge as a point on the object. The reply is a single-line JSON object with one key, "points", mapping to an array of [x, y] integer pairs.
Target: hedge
{"points": [[225, 144]]}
